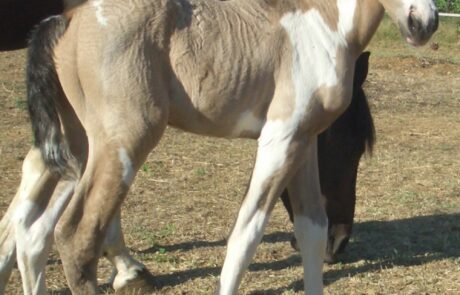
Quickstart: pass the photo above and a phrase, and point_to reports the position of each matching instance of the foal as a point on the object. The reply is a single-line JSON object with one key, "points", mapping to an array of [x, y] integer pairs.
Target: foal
{"points": [[21, 16], [279, 71]]}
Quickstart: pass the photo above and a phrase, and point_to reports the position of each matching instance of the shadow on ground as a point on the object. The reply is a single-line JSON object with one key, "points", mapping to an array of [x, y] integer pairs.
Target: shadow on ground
{"points": [[404, 242], [386, 244]]}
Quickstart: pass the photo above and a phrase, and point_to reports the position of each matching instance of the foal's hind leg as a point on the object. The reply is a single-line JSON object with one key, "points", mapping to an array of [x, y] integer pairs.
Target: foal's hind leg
{"points": [[105, 182], [24, 217], [38, 208], [37, 231], [119, 141], [279, 155], [32, 170]]}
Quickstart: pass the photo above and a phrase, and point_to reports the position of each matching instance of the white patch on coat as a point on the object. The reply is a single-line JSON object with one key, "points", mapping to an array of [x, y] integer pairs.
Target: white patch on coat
{"points": [[312, 241], [247, 123], [315, 47], [128, 171], [102, 20]]}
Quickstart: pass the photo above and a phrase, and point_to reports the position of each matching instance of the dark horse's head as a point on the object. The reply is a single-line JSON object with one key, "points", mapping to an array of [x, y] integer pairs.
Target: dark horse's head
{"points": [[340, 150]]}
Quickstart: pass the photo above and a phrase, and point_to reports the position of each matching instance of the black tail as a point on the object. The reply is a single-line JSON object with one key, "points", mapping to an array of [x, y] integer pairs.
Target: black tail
{"points": [[44, 91]]}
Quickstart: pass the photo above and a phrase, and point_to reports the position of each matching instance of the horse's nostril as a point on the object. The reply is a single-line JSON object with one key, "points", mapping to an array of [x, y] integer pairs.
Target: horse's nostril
{"points": [[412, 23]]}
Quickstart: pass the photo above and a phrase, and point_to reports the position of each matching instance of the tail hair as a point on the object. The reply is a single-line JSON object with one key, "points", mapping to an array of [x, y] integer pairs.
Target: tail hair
{"points": [[43, 93]]}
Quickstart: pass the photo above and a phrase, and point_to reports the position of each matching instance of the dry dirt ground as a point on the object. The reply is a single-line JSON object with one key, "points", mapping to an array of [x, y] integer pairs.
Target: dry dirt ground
{"points": [[185, 198]]}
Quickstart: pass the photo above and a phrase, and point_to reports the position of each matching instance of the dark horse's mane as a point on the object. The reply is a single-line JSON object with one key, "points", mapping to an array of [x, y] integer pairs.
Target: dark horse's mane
{"points": [[357, 118]]}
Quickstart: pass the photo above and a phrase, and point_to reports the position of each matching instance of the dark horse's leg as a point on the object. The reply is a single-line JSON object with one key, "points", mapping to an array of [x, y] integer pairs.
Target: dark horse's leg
{"points": [[340, 148]]}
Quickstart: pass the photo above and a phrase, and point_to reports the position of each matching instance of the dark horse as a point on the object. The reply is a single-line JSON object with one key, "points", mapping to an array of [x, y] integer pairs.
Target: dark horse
{"points": [[340, 148], [18, 17]]}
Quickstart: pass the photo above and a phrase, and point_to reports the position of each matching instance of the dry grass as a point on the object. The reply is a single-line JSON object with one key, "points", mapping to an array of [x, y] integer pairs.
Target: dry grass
{"points": [[185, 198]]}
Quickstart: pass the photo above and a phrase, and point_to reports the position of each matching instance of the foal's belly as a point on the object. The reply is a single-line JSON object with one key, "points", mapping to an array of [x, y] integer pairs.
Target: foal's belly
{"points": [[216, 117]]}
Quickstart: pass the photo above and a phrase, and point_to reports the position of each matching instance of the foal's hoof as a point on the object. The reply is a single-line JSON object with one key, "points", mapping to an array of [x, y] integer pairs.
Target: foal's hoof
{"points": [[139, 283]]}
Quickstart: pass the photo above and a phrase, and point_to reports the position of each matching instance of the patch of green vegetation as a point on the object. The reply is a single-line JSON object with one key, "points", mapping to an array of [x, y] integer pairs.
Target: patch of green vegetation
{"points": [[146, 168], [21, 104], [161, 256], [448, 5], [166, 231], [153, 167], [200, 171]]}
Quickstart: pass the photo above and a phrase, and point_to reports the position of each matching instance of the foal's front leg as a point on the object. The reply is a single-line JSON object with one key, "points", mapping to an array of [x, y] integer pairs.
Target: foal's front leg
{"points": [[310, 220], [279, 155]]}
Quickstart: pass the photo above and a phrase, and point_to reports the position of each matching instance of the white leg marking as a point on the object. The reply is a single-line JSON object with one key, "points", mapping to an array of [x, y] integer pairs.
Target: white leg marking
{"points": [[128, 172], [241, 248], [32, 168], [34, 238], [127, 268], [312, 240], [7, 252], [99, 13]]}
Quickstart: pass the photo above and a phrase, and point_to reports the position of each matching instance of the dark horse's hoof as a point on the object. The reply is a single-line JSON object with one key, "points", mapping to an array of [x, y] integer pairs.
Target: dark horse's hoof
{"points": [[331, 257], [294, 244], [142, 283]]}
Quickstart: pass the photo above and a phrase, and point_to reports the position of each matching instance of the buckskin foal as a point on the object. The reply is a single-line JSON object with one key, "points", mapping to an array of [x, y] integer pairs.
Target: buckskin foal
{"points": [[353, 131], [344, 143], [279, 71]]}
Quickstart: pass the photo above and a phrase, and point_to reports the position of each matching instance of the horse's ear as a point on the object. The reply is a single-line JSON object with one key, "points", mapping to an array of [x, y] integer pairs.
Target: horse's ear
{"points": [[361, 68]]}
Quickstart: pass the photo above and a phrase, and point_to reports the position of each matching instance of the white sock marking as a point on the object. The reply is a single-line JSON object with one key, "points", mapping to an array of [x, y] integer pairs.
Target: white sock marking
{"points": [[312, 240]]}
